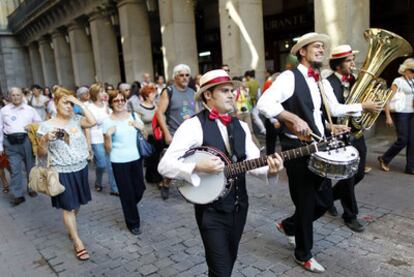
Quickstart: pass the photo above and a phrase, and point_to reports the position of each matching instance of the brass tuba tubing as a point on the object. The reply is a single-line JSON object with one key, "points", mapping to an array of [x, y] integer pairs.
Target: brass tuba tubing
{"points": [[384, 47]]}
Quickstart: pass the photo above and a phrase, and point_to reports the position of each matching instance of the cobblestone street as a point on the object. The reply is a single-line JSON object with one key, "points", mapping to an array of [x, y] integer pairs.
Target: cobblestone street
{"points": [[33, 241]]}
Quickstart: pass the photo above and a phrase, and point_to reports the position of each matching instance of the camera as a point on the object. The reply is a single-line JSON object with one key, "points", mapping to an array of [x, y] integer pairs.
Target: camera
{"points": [[60, 133]]}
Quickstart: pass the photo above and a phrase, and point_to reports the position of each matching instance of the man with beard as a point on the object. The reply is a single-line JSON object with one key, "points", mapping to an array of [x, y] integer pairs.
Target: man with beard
{"points": [[294, 98], [342, 61]]}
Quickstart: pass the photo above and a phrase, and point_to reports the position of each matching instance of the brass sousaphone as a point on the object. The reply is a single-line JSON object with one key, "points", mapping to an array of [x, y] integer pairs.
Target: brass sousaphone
{"points": [[384, 47]]}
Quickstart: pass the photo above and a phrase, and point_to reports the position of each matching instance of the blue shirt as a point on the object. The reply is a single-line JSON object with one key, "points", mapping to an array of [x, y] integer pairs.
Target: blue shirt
{"points": [[124, 140]]}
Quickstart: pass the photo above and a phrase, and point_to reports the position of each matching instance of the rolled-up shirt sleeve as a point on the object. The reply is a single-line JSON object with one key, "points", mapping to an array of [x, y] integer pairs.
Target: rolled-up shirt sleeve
{"points": [[270, 103], [187, 136], [336, 108]]}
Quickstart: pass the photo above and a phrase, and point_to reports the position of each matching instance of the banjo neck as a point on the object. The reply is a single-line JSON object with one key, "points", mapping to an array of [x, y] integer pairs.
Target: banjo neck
{"points": [[244, 166]]}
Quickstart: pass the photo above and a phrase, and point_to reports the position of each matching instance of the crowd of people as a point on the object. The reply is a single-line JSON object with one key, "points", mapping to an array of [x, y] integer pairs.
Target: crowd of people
{"points": [[95, 125]]}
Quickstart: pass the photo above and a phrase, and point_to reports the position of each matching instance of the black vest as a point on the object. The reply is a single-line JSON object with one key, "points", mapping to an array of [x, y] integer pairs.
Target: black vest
{"points": [[300, 103], [337, 86], [338, 89], [212, 137]]}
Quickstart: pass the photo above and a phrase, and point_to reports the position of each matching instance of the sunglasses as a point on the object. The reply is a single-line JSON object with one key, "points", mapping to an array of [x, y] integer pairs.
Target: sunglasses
{"points": [[116, 101], [184, 75]]}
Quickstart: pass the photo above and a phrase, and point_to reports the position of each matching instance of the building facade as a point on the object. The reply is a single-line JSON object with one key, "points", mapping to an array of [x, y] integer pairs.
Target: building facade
{"points": [[78, 42]]}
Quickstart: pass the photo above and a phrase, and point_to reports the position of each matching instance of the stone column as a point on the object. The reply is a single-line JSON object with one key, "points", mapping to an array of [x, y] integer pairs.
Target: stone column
{"points": [[178, 35], [63, 60], [136, 39], [242, 36], [345, 22], [36, 64], [48, 62], [82, 55], [105, 49]]}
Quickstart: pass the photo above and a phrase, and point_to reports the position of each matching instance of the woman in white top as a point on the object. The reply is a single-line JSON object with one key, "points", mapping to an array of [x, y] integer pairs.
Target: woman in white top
{"points": [[402, 109], [38, 101], [101, 112]]}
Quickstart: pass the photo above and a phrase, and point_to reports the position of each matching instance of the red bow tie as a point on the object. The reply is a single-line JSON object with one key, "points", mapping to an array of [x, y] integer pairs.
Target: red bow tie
{"points": [[313, 73], [224, 118], [348, 78]]}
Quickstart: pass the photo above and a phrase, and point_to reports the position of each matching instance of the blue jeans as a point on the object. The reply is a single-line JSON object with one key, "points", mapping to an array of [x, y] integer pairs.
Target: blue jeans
{"points": [[103, 162], [404, 123]]}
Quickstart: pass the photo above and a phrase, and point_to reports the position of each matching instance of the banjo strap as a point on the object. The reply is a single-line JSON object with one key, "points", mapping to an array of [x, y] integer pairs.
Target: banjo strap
{"points": [[231, 142]]}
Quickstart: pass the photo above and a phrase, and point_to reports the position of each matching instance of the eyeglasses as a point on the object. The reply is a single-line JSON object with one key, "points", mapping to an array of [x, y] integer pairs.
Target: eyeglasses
{"points": [[116, 101], [184, 75]]}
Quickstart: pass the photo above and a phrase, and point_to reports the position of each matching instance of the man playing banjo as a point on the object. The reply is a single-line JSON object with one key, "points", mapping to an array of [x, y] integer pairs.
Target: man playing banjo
{"points": [[221, 222]]}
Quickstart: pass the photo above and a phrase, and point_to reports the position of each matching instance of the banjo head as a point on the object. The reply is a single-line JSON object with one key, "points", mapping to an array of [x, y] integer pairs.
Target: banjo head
{"points": [[212, 186]]}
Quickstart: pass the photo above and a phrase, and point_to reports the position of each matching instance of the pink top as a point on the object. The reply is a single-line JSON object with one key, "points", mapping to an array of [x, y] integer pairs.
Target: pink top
{"points": [[14, 119]]}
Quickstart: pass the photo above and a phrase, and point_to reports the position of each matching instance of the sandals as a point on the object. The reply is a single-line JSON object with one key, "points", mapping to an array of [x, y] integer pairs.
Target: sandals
{"points": [[80, 254]]}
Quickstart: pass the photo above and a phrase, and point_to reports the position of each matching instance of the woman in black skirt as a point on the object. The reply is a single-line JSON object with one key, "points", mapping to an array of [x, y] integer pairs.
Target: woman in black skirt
{"points": [[64, 146]]}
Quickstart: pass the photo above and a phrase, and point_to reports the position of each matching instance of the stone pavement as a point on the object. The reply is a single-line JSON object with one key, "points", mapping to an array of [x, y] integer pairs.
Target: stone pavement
{"points": [[33, 241]]}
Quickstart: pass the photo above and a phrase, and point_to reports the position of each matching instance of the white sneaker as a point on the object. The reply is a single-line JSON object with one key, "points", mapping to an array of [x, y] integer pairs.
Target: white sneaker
{"points": [[291, 239], [311, 265]]}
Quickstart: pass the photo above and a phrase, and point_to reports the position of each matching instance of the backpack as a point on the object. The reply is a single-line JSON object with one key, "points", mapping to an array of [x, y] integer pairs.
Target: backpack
{"points": [[156, 129]]}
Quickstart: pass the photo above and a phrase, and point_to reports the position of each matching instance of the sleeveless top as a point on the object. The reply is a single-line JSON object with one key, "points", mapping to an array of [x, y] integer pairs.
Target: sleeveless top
{"points": [[181, 106]]}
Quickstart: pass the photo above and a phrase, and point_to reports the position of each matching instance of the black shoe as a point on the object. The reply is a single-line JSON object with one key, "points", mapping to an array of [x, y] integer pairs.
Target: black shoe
{"points": [[409, 171], [98, 188], [135, 231], [114, 193], [32, 193], [355, 225], [165, 192], [333, 211], [17, 201]]}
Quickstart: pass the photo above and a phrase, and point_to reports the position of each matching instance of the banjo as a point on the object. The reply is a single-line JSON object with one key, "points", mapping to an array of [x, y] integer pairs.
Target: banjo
{"points": [[214, 186]]}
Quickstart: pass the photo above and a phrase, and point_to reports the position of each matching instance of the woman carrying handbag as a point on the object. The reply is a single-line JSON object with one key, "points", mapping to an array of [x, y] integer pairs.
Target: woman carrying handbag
{"points": [[63, 143], [120, 133]]}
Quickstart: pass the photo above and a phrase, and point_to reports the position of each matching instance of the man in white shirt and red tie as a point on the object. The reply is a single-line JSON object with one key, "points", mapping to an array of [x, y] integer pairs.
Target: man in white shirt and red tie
{"points": [[295, 100], [221, 223], [342, 62], [14, 117]]}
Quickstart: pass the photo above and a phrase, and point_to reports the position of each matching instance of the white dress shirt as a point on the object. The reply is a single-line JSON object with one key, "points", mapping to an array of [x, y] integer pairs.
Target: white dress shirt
{"points": [[270, 104], [190, 135], [14, 119]]}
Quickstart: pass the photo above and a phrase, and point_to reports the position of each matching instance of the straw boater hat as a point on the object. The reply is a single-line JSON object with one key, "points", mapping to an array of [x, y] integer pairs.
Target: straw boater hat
{"points": [[407, 64], [214, 78], [342, 51], [310, 38]]}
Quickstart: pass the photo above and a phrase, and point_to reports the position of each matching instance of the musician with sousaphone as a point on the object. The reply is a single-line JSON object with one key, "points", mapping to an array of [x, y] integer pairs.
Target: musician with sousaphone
{"points": [[304, 103], [221, 138], [342, 63]]}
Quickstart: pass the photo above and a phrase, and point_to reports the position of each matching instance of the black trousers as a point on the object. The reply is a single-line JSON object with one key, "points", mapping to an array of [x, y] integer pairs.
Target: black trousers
{"points": [[312, 196], [221, 233], [129, 178], [344, 190], [404, 123], [271, 136]]}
